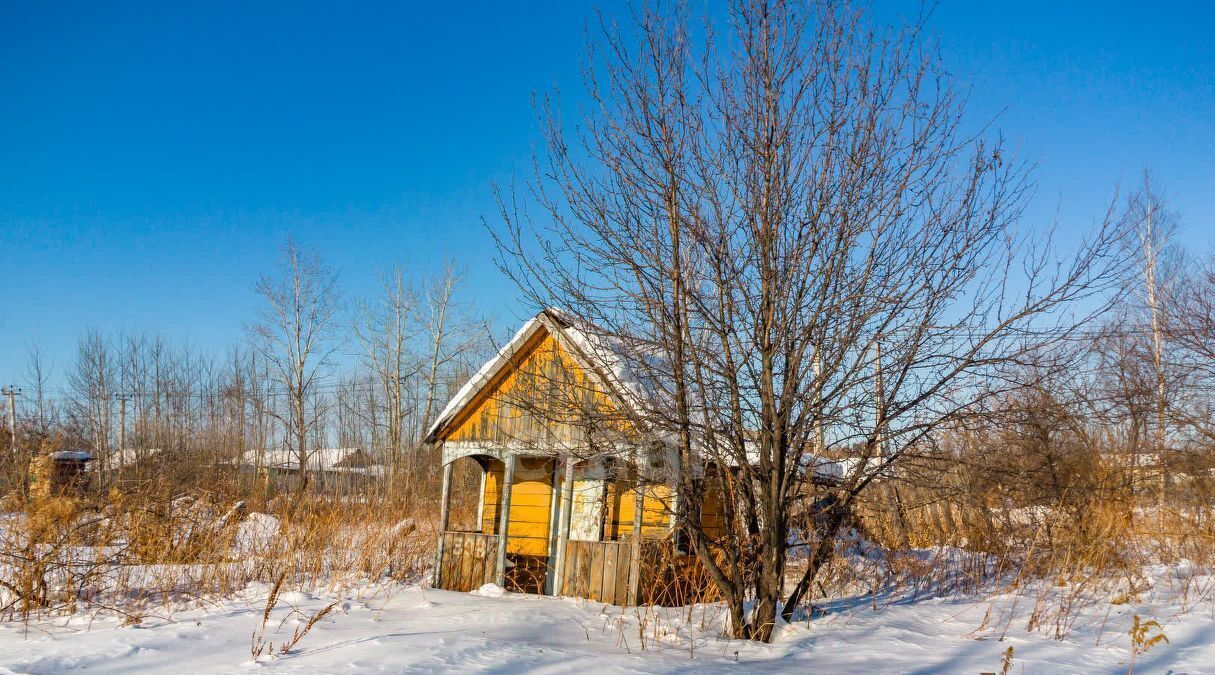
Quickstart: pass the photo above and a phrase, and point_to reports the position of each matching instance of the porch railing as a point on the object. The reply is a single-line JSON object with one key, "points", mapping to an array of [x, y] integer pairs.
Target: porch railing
{"points": [[598, 570], [468, 560]]}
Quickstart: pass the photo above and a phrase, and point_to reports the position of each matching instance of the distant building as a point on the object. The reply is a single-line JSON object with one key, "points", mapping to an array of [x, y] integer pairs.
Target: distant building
{"points": [[342, 469], [64, 472]]}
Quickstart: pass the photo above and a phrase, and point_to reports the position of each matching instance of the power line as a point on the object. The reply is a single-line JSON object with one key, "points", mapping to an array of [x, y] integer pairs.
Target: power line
{"points": [[368, 383]]}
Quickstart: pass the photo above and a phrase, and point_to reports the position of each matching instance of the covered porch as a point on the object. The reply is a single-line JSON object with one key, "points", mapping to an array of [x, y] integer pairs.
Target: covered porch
{"points": [[557, 526], [573, 498]]}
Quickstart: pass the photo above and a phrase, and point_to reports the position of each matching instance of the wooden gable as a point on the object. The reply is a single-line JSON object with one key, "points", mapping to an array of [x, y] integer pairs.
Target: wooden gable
{"points": [[542, 399]]}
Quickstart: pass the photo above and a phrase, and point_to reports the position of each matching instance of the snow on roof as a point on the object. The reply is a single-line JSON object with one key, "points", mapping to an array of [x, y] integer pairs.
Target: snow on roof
{"points": [[599, 353], [608, 354], [821, 468], [482, 377], [72, 456], [321, 459], [608, 357], [837, 470], [129, 456]]}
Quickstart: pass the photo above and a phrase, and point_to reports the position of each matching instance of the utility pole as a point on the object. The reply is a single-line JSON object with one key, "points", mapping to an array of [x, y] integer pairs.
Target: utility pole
{"points": [[879, 398], [879, 431], [12, 393], [820, 443]]}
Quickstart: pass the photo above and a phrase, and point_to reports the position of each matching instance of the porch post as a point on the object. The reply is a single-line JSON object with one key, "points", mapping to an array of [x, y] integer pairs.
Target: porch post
{"points": [[444, 497], [481, 498], [635, 544], [504, 518], [563, 528]]}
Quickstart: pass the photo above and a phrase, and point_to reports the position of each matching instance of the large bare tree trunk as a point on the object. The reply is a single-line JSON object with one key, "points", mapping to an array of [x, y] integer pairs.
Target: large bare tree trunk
{"points": [[744, 219]]}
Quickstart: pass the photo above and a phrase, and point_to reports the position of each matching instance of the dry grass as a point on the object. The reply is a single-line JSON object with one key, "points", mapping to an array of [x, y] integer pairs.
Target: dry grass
{"points": [[151, 549], [148, 550], [258, 645], [1092, 543]]}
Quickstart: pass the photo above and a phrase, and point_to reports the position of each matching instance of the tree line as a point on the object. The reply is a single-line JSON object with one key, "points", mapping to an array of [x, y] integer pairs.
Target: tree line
{"points": [[313, 370]]}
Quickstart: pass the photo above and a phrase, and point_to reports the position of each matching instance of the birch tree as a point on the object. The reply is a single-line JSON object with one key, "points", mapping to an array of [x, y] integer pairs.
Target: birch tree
{"points": [[296, 336], [386, 330], [450, 336]]}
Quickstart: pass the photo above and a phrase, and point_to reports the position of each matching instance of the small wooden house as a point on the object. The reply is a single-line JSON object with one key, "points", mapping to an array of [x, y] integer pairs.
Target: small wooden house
{"points": [[551, 424], [339, 470], [60, 473]]}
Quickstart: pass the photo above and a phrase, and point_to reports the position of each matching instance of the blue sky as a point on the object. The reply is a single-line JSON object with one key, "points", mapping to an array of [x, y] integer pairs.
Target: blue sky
{"points": [[154, 156]]}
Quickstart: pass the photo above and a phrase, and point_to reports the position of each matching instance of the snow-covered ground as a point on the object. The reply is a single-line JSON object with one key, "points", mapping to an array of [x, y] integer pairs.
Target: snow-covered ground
{"points": [[394, 628]]}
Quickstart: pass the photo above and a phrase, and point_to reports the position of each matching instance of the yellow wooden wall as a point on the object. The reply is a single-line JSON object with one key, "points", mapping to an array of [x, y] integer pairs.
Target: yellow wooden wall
{"points": [[711, 513], [656, 517], [530, 505], [621, 504], [493, 494], [543, 399]]}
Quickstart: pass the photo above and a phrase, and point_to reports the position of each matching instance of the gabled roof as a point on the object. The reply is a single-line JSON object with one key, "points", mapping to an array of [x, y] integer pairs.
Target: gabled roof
{"points": [[594, 352], [72, 456], [130, 456], [320, 459], [604, 358]]}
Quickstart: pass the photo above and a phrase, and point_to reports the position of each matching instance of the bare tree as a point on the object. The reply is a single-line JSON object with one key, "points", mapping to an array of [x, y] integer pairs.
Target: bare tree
{"points": [[260, 428], [386, 330], [92, 381], [450, 336], [766, 225], [38, 373], [1190, 331], [412, 339], [1125, 382], [1155, 223], [296, 337]]}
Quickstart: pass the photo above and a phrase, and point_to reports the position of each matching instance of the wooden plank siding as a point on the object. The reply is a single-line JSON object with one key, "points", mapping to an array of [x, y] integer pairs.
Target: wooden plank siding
{"points": [[543, 406], [468, 560], [711, 511], [673, 579], [543, 400], [597, 570], [534, 477], [492, 497], [530, 509], [655, 515]]}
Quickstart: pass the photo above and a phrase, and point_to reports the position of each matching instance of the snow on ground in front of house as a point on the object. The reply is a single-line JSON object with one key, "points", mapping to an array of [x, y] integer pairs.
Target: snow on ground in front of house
{"points": [[394, 628]]}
